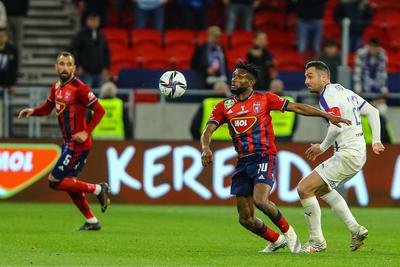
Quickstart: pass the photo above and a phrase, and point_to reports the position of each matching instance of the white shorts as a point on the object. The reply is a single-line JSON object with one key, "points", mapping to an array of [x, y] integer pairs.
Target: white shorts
{"points": [[340, 168]]}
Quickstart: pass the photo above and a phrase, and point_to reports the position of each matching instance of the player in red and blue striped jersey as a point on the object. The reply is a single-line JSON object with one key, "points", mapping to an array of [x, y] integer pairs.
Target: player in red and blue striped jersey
{"points": [[71, 97], [249, 121]]}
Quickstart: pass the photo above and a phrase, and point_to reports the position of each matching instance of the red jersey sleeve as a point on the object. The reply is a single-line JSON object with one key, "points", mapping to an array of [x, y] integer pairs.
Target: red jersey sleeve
{"points": [[86, 96], [217, 115], [51, 97], [274, 102]]}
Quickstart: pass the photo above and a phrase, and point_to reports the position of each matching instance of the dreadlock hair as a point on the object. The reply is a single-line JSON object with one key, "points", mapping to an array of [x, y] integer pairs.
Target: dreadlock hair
{"points": [[250, 68]]}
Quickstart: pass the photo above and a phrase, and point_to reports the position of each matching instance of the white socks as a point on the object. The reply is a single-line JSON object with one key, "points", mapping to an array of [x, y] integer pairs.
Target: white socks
{"points": [[339, 206], [312, 214], [97, 190], [92, 220]]}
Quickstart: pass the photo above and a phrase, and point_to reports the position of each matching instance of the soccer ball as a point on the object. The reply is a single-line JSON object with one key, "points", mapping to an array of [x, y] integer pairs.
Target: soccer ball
{"points": [[172, 84]]}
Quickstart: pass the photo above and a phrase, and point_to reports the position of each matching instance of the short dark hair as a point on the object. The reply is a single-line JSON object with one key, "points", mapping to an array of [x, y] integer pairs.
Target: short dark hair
{"points": [[373, 41], [319, 66], [329, 42], [250, 68], [65, 54]]}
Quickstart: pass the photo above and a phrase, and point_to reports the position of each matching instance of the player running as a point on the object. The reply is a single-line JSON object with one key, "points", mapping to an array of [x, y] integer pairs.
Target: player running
{"points": [[247, 114], [348, 159], [71, 98]]}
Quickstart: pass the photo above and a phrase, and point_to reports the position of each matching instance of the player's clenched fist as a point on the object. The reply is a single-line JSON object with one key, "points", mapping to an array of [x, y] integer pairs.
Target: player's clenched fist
{"points": [[80, 137], [25, 113], [206, 157]]}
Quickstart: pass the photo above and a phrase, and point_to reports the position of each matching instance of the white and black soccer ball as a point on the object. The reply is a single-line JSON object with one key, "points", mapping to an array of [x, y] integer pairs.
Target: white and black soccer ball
{"points": [[172, 84]]}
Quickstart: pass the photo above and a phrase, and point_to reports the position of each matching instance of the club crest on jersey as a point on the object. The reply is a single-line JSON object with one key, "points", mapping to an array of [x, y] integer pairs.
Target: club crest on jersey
{"points": [[242, 124], [60, 107], [256, 107], [229, 103], [90, 96]]}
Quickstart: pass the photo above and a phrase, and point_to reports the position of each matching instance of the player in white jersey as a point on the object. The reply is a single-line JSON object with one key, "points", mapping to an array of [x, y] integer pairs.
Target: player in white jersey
{"points": [[348, 158]]}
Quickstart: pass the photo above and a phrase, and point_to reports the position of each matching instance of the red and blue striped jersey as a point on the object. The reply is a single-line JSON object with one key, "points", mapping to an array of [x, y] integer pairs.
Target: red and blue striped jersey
{"points": [[249, 122], [71, 101]]}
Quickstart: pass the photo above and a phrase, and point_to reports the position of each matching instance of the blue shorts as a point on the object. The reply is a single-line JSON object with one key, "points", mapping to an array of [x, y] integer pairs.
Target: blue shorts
{"points": [[69, 164], [252, 170]]}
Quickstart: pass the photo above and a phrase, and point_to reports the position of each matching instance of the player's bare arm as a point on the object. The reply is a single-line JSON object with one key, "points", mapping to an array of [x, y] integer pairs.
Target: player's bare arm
{"points": [[25, 113], [378, 148], [206, 155], [313, 151], [308, 110]]}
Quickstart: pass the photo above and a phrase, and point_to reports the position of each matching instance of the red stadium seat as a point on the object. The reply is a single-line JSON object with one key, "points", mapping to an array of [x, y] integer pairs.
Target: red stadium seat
{"points": [[179, 39], [269, 20], [146, 39], [116, 37], [180, 57], [290, 61], [234, 57], [122, 58], [241, 40], [156, 59]]}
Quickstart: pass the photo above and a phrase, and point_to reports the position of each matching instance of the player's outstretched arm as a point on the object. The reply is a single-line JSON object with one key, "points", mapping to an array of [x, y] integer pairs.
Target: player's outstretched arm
{"points": [[205, 139], [308, 110]]}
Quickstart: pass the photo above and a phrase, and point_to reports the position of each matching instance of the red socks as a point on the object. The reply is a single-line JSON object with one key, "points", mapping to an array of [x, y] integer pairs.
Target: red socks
{"points": [[269, 234], [280, 221], [80, 201], [74, 185]]}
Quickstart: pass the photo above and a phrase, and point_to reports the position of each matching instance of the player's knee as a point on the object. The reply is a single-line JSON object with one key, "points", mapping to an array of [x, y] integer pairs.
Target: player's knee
{"points": [[246, 220], [261, 202], [53, 183], [302, 190]]}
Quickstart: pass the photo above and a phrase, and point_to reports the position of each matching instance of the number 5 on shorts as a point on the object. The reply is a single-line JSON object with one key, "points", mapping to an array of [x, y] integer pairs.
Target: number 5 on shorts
{"points": [[67, 159]]}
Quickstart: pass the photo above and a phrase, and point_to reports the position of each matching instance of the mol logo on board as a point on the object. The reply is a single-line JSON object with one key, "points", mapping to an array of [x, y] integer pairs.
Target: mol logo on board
{"points": [[23, 164]]}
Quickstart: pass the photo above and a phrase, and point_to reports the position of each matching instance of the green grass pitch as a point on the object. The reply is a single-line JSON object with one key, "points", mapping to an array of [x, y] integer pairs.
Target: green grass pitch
{"points": [[138, 235]]}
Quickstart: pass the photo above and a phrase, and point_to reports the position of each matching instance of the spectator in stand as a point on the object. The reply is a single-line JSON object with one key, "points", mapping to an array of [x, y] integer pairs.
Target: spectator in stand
{"points": [[200, 119], [370, 76], [260, 56], [8, 63], [360, 14], [92, 54], [284, 123], [194, 14], [209, 61], [3, 16], [310, 24], [115, 124], [330, 56], [87, 7], [16, 10], [146, 8], [243, 8]]}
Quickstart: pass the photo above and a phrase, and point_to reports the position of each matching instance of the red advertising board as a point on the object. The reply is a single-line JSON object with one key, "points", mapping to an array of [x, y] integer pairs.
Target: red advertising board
{"points": [[171, 173]]}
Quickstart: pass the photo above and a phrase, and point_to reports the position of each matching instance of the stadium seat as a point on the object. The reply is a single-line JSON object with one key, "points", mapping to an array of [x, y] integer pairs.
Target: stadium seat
{"points": [[180, 57], [241, 40], [146, 39], [290, 61], [116, 37], [269, 20], [122, 58], [234, 56], [156, 59], [179, 39]]}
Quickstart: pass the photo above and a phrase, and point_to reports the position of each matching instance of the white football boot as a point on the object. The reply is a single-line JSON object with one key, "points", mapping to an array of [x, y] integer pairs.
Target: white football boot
{"points": [[358, 237], [311, 247], [293, 242], [274, 246]]}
